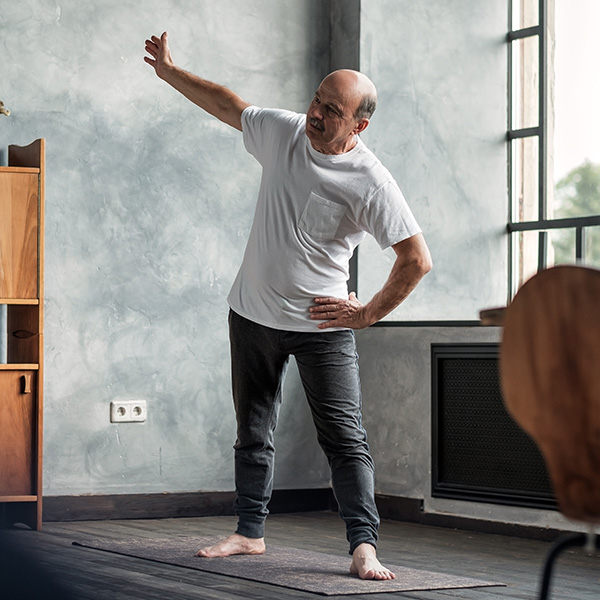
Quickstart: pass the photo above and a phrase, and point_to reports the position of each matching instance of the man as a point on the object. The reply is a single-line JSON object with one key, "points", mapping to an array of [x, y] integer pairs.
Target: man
{"points": [[321, 192]]}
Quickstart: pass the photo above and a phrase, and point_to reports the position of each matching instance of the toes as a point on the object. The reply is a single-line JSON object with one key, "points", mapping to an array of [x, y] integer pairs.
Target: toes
{"points": [[380, 575]]}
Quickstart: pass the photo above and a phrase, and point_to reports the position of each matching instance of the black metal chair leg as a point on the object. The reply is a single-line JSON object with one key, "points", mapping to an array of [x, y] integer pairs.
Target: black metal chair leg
{"points": [[578, 540]]}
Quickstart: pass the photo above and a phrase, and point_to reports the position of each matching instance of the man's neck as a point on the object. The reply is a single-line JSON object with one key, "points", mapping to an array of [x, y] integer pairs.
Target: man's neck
{"points": [[349, 145]]}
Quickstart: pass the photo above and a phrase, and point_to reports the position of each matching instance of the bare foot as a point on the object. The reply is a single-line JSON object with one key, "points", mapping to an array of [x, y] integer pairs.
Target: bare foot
{"points": [[366, 566], [234, 544]]}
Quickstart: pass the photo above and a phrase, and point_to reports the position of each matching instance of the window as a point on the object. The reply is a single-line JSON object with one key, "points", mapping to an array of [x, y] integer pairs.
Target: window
{"points": [[553, 135]]}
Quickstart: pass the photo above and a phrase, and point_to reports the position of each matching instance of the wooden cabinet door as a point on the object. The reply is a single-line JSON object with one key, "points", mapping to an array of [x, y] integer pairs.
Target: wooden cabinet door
{"points": [[18, 234], [17, 433]]}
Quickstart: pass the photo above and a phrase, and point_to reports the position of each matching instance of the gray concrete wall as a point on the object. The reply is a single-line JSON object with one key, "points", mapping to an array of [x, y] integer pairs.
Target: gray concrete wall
{"points": [[440, 69], [149, 202]]}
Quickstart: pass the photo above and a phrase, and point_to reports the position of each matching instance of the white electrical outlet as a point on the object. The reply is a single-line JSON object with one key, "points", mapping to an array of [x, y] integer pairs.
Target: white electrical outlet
{"points": [[128, 411]]}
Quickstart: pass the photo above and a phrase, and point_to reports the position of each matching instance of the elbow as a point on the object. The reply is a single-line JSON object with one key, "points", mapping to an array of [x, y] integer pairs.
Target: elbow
{"points": [[413, 258], [423, 263], [426, 265]]}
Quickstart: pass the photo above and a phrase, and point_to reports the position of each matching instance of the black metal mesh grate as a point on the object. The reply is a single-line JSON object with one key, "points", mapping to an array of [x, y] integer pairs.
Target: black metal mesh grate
{"points": [[479, 450]]}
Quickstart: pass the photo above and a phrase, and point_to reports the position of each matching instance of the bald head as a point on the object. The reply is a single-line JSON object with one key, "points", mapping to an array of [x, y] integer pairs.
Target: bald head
{"points": [[339, 111], [357, 85]]}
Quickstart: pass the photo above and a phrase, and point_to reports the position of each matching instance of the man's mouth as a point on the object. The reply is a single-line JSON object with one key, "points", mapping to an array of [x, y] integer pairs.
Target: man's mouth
{"points": [[316, 124]]}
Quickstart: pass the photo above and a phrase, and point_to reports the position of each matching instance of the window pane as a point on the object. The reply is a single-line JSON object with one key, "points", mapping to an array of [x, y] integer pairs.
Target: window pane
{"points": [[577, 194], [576, 108], [526, 80], [525, 178], [525, 13], [592, 247], [525, 251], [563, 250], [561, 247]]}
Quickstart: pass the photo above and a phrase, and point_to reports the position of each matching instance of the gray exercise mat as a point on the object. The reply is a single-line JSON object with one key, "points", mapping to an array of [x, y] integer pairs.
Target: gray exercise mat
{"points": [[304, 570]]}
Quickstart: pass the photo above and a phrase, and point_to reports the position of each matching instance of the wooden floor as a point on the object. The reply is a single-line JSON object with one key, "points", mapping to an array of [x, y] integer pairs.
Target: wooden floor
{"points": [[95, 575]]}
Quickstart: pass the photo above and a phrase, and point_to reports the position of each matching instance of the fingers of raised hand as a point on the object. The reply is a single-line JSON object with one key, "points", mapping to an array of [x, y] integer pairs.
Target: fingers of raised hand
{"points": [[154, 45]]}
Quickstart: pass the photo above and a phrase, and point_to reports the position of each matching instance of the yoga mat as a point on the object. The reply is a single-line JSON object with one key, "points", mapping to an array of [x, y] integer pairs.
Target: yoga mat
{"points": [[304, 570]]}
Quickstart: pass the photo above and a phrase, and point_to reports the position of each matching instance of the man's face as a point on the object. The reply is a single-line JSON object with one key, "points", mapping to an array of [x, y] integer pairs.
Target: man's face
{"points": [[330, 121]]}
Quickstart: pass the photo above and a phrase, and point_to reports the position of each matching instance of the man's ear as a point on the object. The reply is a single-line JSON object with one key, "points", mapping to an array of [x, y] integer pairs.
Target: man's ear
{"points": [[361, 126]]}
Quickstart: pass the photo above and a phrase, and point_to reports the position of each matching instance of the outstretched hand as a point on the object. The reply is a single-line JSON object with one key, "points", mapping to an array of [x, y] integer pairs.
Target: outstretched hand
{"points": [[337, 312], [160, 55]]}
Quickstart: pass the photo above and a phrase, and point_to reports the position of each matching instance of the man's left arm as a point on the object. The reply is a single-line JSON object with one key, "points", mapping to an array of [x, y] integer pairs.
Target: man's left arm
{"points": [[413, 262]]}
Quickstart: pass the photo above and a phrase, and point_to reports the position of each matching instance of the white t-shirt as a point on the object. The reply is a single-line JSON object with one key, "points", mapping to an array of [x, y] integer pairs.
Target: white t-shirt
{"points": [[313, 209]]}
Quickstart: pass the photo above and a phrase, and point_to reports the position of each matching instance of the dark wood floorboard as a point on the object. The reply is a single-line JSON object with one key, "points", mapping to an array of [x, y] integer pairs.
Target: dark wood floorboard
{"points": [[96, 575]]}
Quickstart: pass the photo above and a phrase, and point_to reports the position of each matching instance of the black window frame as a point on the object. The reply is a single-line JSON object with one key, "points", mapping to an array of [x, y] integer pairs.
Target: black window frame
{"points": [[542, 224]]}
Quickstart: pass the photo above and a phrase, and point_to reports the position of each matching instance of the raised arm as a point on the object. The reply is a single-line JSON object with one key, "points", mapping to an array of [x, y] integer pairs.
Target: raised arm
{"points": [[413, 262], [215, 99]]}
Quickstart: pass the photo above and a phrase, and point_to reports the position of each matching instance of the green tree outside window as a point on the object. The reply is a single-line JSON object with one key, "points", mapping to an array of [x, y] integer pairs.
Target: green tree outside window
{"points": [[578, 195]]}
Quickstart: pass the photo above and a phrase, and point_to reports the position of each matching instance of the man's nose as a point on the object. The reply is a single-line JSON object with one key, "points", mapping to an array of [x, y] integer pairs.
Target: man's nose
{"points": [[315, 112]]}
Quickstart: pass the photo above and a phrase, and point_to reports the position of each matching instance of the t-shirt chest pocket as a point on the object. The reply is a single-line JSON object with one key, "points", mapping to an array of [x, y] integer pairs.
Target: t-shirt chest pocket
{"points": [[321, 217]]}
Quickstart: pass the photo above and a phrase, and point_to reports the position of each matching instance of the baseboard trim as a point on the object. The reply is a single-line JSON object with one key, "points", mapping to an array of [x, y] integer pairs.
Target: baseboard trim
{"points": [[410, 510], [161, 506], [208, 504]]}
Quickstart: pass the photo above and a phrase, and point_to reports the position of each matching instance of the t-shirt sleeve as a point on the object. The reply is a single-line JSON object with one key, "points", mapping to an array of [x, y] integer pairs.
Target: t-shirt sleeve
{"points": [[387, 216], [262, 128]]}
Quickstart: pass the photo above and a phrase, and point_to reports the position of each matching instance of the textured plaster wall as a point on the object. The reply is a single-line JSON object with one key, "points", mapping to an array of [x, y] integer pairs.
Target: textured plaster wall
{"points": [[440, 68], [149, 202], [440, 128]]}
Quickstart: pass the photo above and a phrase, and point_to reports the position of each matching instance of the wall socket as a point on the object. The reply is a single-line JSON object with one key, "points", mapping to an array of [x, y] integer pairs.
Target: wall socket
{"points": [[128, 411]]}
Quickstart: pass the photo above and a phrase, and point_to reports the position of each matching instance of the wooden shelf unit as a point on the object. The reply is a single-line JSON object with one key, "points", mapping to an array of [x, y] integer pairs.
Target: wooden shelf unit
{"points": [[19, 301], [22, 292]]}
